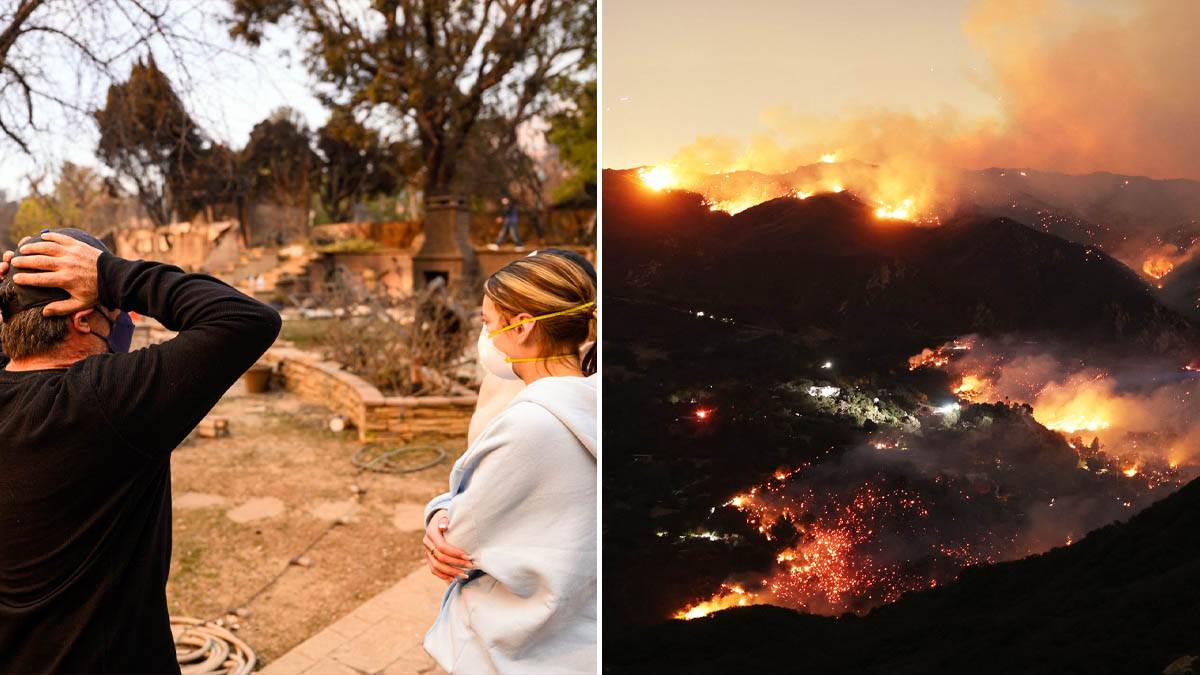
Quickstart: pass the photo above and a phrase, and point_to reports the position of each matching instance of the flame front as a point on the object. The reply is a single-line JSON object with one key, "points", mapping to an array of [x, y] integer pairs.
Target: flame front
{"points": [[1161, 261], [658, 178], [904, 211], [1157, 267], [1081, 403], [974, 388], [729, 596], [894, 194]]}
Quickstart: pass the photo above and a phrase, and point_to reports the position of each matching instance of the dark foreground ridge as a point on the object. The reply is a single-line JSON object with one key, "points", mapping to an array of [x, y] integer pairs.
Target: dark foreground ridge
{"points": [[1125, 599]]}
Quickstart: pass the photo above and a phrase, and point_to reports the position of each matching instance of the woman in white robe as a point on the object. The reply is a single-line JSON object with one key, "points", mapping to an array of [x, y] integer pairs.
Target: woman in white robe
{"points": [[516, 533]]}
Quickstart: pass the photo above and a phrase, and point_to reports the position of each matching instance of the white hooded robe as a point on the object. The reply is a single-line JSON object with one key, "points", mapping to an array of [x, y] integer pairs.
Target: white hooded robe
{"points": [[522, 502]]}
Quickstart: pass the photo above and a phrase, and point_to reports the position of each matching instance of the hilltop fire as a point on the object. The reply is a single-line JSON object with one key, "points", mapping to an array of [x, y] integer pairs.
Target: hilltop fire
{"points": [[974, 388], [732, 192], [658, 178], [940, 357]]}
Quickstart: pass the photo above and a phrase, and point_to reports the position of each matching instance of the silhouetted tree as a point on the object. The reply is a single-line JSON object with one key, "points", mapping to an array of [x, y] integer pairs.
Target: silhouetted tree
{"points": [[278, 162], [355, 164], [148, 139]]}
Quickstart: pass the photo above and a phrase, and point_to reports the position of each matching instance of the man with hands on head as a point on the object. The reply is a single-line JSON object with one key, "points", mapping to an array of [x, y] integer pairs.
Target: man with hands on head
{"points": [[88, 429]]}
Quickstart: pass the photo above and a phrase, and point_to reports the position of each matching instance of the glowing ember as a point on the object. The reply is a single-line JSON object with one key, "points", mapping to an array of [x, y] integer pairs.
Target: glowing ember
{"points": [[833, 565], [829, 158], [658, 178], [906, 511], [702, 413]]}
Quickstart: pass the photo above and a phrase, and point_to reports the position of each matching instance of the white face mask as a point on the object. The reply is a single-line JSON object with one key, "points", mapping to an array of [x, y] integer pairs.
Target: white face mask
{"points": [[491, 358]]}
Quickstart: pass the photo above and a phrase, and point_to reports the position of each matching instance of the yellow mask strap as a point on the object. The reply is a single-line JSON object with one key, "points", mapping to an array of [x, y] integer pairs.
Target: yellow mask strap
{"points": [[544, 316], [538, 358]]}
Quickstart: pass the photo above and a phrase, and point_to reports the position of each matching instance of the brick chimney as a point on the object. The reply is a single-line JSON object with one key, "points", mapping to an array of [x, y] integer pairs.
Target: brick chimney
{"points": [[447, 251]]}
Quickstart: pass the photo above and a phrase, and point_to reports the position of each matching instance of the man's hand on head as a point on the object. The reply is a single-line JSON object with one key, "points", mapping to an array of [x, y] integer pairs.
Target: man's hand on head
{"points": [[62, 262], [6, 258]]}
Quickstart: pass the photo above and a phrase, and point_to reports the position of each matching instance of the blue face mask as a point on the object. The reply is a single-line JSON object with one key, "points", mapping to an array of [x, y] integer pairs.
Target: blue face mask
{"points": [[120, 333]]}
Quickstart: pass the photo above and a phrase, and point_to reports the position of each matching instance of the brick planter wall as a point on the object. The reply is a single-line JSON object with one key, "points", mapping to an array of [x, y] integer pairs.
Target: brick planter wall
{"points": [[375, 416]]}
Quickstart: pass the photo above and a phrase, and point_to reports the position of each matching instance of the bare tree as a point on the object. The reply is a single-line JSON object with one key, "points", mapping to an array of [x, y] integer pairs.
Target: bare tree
{"points": [[55, 54]]}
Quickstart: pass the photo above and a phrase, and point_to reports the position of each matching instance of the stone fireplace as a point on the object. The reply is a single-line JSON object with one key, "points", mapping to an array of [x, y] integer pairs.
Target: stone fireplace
{"points": [[447, 251]]}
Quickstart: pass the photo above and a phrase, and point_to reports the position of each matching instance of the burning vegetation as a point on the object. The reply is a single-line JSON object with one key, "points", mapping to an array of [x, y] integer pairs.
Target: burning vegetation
{"points": [[1137, 408], [1033, 453]]}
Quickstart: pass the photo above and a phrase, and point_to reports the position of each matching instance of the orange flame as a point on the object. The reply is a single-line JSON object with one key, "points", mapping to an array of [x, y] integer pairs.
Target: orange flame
{"points": [[975, 388], [658, 178], [1157, 267], [728, 596], [1078, 404], [1163, 260]]}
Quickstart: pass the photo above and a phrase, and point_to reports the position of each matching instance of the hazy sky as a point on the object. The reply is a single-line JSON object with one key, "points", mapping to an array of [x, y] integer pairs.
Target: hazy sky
{"points": [[228, 92], [675, 70], [678, 69]]}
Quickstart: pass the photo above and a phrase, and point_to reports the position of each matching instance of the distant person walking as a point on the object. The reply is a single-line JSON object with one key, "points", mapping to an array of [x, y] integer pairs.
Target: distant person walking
{"points": [[508, 226]]}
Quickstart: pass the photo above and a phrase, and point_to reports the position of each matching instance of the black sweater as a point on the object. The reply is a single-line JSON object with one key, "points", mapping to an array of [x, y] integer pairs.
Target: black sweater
{"points": [[85, 474]]}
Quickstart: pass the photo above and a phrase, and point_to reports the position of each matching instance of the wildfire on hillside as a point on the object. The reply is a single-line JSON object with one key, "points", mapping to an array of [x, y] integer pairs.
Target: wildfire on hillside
{"points": [[908, 510]]}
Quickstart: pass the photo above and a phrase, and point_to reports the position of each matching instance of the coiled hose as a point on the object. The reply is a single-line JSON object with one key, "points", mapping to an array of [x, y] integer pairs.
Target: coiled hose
{"points": [[203, 647], [374, 457]]}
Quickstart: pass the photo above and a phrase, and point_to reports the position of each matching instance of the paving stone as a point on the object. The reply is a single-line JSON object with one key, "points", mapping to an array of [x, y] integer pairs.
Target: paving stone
{"points": [[258, 508], [197, 500]]}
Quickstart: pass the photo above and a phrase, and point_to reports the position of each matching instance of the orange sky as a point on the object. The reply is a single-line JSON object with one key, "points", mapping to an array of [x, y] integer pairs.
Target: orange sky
{"points": [[1067, 85], [678, 69]]}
